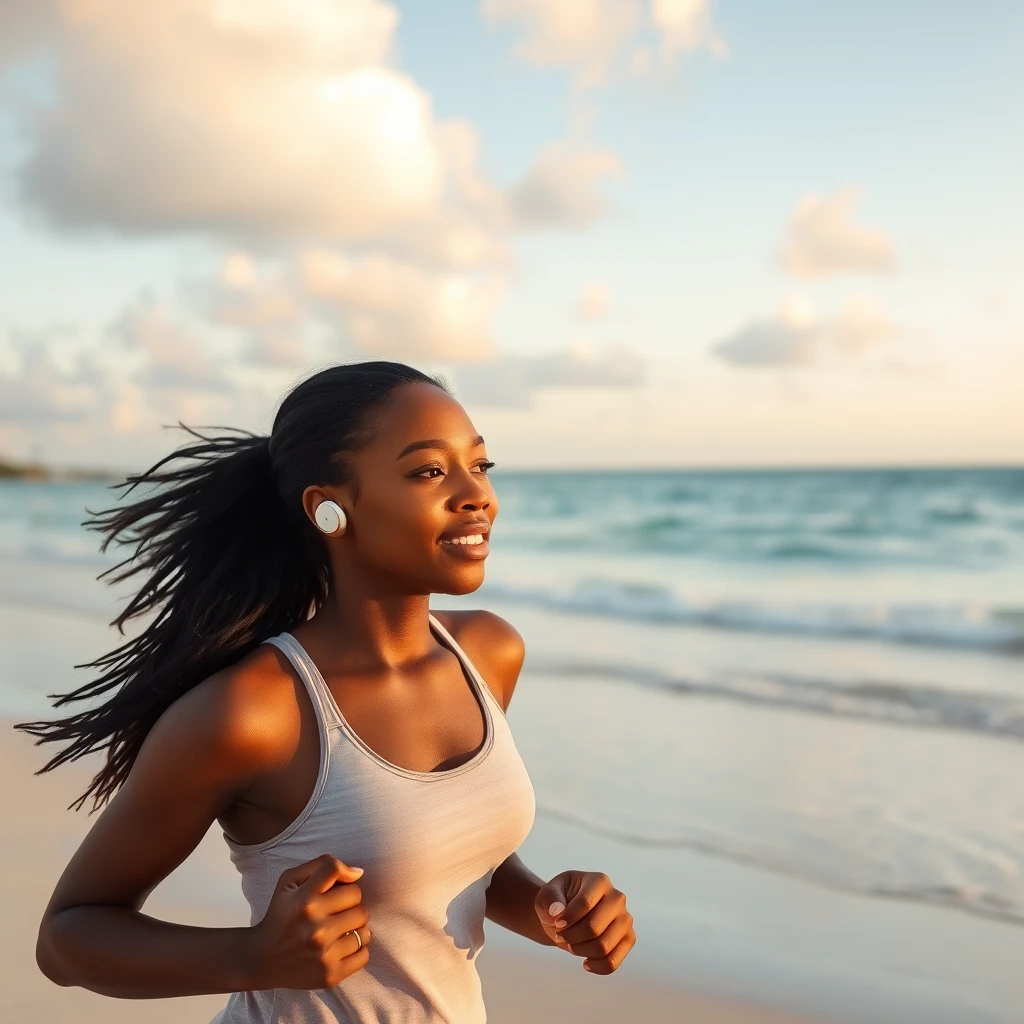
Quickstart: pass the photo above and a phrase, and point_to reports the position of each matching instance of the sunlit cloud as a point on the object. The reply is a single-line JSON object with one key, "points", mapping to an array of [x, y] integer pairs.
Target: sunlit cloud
{"points": [[262, 305], [172, 357], [823, 239], [586, 35], [511, 380], [560, 190], [796, 337], [685, 25], [284, 127], [40, 390], [70, 399], [401, 309], [595, 38], [268, 118]]}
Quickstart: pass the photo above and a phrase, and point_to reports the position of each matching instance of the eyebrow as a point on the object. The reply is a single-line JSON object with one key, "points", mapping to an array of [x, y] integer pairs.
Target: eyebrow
{"points": [[436, 443]]}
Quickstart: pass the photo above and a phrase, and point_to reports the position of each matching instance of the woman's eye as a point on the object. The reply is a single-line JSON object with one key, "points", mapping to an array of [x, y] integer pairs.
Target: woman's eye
{"points": [[485, 466]]}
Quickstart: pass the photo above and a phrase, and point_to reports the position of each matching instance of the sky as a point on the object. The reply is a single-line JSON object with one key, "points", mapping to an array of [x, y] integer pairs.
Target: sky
{"points": [[627, 233]]}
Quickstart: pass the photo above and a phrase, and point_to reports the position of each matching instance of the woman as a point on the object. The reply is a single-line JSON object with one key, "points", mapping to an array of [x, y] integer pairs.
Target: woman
{"points": [[293, 685]]}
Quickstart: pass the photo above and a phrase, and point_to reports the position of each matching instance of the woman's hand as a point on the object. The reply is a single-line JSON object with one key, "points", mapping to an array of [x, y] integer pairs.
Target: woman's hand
{"points": [[583, 913], [303, 941]]}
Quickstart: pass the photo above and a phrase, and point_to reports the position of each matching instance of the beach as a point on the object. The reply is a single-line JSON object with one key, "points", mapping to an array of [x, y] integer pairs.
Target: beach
{"points": [[39, 836], [683, 336], [796, 747]]}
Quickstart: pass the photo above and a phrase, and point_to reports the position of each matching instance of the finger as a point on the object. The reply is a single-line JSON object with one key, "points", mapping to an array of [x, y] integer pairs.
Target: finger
{"points": [[337, 898], [551, 896], [296, 875], [585, 901], [610, 906], [611, 961], [349, 920], [329, 870], [607, 940], [345, 943], [348, 948], [293, 877]]}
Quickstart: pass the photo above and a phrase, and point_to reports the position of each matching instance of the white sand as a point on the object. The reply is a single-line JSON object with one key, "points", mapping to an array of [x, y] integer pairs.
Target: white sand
{"points": [[535, 984]]}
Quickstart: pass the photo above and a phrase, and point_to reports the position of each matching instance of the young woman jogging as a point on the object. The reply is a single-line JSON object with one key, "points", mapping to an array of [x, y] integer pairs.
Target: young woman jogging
{"points": [[292, 684]]}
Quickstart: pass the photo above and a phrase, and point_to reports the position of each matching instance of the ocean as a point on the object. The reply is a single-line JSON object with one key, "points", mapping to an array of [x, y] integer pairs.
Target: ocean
{"points": [[816, 673]]}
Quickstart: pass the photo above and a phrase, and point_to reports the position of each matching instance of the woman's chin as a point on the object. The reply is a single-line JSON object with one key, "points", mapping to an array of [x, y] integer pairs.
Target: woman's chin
{"points": [[464, 582]]}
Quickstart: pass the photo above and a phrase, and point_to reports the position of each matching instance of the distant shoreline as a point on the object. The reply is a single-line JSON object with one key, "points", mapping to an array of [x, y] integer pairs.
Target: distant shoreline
{"points": [[36, 471]]}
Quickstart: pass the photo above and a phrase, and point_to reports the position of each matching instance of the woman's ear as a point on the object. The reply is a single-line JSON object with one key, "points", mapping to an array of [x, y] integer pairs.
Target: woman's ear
{"points": [[325, 510]]}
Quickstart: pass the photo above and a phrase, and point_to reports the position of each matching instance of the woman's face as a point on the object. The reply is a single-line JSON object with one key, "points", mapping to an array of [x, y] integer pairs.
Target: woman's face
{"points": [[409, 501]]}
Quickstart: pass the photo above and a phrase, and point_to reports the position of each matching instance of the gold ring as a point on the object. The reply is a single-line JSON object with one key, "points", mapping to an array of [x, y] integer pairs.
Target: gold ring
{"points": [[358, 938]]}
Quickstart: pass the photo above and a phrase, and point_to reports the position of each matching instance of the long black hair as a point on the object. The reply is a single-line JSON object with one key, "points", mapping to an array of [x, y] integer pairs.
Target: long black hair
{"points": [[230, 556]]}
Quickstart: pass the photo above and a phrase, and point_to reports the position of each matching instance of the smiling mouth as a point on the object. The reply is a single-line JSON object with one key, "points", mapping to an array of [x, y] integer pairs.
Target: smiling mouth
{"points": [[467, 541], [473, 546]]}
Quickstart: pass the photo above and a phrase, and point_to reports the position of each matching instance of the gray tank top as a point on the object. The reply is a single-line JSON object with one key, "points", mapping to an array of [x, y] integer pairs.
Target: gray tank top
{"points": [[428, 843]]}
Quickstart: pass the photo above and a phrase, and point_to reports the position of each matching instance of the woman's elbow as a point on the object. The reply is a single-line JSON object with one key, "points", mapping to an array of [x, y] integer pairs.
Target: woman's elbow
{"points": [[46, 959]]}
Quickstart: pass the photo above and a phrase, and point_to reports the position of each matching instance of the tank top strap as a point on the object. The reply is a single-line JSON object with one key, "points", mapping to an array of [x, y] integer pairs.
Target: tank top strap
{"points": [[477, 680], [323, 702]]}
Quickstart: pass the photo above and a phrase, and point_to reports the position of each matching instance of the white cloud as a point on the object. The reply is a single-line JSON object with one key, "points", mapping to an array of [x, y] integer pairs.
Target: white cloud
{"points": [[277, 118], [73, 399], [594, 301], [396, 308], [560, 188], [822, 240], [685, 25], [510, 380], [67, 399], [586, 35], [263, 305], [283, 126], [170, 356], [41, 390], [592, 37], [769, 343], [796, 337], [384, 306]]}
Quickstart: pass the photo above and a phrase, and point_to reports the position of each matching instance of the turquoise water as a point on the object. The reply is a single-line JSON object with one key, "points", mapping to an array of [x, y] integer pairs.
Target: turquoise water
{"points": [[923, 556], [926, 556]]}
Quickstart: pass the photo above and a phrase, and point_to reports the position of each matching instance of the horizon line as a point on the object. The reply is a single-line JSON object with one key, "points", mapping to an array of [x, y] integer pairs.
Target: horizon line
{"points": [[26, 468]]}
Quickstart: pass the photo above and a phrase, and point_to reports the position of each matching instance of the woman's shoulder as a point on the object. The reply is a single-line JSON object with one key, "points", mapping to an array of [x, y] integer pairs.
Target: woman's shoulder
{"points": [[492, 643], [249, 709]]}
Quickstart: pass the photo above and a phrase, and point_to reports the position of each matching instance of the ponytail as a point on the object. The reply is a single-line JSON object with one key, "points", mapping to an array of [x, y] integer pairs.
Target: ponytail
{"points": [[229, 555]]}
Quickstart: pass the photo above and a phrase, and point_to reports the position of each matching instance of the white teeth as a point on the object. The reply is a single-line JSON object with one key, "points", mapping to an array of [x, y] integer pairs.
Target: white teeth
{"points": [[476, 538]]}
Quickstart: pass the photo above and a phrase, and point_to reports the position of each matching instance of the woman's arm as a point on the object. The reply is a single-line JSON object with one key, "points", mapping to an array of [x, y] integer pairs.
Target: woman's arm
{"points": [[119, 952], [200, 756], [510, 899]]}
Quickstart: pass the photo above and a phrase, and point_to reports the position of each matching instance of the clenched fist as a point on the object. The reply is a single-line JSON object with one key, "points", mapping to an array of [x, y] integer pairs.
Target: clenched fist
{"points": [[306, 939]]}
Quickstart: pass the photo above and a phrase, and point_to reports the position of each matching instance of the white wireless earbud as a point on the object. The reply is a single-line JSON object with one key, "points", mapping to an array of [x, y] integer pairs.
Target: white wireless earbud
{"points": [[330, 517]]}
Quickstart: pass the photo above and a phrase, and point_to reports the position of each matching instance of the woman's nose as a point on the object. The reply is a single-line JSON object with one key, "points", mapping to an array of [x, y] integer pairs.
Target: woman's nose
{"points": [[476, 493]]}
